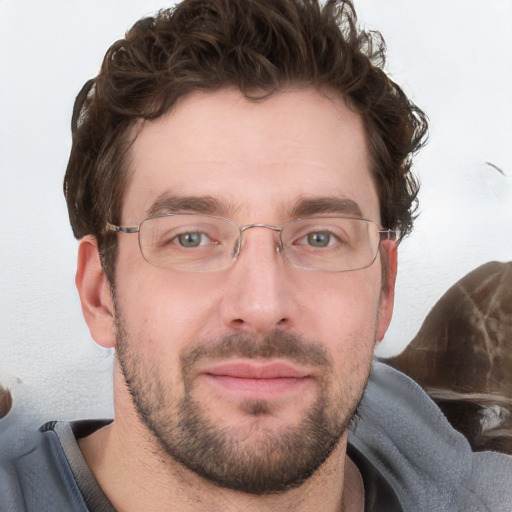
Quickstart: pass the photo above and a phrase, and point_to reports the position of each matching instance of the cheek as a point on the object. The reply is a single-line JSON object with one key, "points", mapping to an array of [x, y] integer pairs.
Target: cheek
{"points": [[164, 308], [345, 320], [345, 303]]}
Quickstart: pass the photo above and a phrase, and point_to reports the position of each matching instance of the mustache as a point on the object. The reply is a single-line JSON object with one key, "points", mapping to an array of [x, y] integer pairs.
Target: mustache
{"points": [[276, 344]]}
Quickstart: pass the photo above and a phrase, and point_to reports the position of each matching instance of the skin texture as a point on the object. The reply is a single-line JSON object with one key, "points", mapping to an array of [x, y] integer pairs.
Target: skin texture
{"points": [[259, 161]]}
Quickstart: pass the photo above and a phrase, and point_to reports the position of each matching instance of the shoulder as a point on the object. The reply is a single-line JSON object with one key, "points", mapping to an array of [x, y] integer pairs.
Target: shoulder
{"points": [[38, 477], [429, 465]]}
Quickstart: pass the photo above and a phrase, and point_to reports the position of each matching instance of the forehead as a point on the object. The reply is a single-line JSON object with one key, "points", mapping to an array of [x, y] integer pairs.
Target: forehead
{"points": [[255, 158]]}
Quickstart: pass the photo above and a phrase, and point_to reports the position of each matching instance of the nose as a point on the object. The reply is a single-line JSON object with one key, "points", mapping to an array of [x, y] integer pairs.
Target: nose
{"points": [[259, 290]]}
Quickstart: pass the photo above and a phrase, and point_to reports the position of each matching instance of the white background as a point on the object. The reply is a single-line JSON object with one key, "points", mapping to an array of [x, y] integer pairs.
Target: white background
{"points": [[451, 56]]}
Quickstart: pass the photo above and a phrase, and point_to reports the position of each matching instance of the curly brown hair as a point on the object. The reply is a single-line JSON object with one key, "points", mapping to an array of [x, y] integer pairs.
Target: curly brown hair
{"points": [[259, 47]]}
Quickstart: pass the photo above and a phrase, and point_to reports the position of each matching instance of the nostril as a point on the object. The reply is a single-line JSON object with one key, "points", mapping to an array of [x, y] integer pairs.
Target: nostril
{"points": [[5, 401]]}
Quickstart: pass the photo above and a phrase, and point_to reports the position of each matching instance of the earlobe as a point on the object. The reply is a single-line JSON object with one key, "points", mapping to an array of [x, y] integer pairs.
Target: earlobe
{"points": [[95, 293], [387, 298]]}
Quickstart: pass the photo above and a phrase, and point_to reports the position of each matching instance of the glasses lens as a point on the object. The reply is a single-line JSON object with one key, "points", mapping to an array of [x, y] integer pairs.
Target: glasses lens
{"points": [[190, 243], [331, 244]]}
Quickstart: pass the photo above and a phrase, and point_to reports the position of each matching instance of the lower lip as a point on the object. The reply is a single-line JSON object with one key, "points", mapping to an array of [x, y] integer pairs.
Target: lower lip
{"points": [[257, 389]]}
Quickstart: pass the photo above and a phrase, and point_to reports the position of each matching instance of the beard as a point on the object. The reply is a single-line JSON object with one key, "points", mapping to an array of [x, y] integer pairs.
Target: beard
{"points": [[255, 459]]}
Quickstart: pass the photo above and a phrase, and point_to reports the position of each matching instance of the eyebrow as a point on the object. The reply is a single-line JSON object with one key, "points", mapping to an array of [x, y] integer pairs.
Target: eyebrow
{"points": [[318, 205], [168, 203], [305, 207]]}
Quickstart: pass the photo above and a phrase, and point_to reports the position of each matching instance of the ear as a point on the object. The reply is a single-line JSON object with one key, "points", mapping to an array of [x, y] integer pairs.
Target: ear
{"points": [[389, 259], [95, 293]]}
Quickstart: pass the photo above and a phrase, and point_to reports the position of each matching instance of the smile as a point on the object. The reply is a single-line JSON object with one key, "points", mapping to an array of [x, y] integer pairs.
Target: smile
{"points": [[256, 381]]}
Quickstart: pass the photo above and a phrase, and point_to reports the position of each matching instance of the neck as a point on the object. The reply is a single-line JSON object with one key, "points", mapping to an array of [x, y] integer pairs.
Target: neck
{"points": [[126, 458]]}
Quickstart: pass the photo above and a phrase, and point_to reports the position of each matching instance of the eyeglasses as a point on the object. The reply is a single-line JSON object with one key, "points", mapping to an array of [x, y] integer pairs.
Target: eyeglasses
{"points": [[203, 243]]}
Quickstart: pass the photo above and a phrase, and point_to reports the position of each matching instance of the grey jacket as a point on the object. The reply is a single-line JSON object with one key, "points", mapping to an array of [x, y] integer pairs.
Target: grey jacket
{"points": [[410, 458]]}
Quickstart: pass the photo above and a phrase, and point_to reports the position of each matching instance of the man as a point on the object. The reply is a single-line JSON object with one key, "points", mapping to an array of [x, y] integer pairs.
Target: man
{"points": [[239, 180]]}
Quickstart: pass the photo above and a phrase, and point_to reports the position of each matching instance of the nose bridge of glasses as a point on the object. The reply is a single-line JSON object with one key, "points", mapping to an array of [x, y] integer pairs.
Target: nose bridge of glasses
{"points": [[243, 229]]}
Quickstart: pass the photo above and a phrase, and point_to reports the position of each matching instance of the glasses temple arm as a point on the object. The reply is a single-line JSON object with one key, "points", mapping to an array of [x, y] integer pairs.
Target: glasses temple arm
{"points": [[387, 234], [121, 229]]}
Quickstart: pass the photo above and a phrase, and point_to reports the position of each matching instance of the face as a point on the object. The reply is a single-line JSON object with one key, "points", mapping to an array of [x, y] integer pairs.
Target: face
{"points": [[249, 376]]}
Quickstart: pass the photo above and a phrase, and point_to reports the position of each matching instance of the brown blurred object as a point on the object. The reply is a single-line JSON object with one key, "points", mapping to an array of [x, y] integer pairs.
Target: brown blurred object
{"points": [[462, 356], [5, 401]]}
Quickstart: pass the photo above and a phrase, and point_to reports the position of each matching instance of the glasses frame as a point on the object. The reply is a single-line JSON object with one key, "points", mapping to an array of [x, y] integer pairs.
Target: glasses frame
{"points": [[385, 234]]}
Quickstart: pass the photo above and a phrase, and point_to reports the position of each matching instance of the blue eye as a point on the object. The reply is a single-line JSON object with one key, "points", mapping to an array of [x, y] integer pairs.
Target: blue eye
{"points": [[189, 239], [193, 239], [319, 239]]}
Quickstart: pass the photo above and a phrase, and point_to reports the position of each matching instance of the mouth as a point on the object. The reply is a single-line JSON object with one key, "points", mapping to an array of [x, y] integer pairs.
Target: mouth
{"points": [[256, 381]]}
